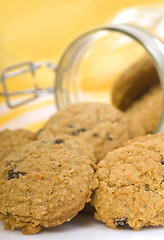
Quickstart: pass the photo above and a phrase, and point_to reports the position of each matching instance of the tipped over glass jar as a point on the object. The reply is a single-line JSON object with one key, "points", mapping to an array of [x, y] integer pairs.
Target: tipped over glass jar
{"points": [[121, 62]]}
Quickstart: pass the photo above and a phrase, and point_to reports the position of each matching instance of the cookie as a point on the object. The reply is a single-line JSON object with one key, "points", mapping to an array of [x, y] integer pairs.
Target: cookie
{"points": [[101, 125], [144, 114], [157, 137], [45, 184], [134, 82], [11, 140], [131, 185]]}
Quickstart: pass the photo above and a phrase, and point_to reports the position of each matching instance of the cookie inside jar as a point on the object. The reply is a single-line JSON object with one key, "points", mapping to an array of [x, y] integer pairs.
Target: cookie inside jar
{"points": [[137, 92], [121, 67]]}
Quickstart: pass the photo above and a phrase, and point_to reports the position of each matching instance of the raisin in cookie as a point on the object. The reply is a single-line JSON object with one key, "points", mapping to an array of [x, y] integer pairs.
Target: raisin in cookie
{"points": [[101, 125], [45, 184], [131, 185], [144, 114], [11, 140]]}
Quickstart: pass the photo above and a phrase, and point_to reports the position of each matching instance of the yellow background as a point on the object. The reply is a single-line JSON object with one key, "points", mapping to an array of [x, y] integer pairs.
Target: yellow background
{"points": [[37, 30]]}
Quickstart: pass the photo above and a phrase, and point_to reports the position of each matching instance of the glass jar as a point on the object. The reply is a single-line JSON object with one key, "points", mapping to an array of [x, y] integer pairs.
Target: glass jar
{"points": [[93, 62], [97, 61]]}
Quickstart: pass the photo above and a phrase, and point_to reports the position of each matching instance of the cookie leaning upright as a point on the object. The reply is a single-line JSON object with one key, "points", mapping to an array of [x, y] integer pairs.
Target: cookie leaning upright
{"points": [[134, 82], [101, 125], [144, 114], [131, 185], [45, 184], [11, 140]]}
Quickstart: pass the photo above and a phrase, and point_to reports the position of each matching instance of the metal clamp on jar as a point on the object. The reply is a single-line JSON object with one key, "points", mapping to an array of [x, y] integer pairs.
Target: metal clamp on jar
{"points": [[71, 85]]}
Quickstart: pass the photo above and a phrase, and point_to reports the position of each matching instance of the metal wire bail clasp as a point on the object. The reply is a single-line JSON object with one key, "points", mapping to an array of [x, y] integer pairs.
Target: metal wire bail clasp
{"points": [[20, 69]]}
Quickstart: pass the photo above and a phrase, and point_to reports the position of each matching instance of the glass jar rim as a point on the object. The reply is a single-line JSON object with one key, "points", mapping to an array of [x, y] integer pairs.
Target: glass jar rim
{"points": [[152, 45]]}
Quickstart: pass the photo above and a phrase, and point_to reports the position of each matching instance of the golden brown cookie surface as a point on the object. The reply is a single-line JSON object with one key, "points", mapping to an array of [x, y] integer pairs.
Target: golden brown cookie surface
{"points": [[131, 185], [46, 183], [134, 82], [144, 113], [155, 137], [11, 140], [101, 125]]}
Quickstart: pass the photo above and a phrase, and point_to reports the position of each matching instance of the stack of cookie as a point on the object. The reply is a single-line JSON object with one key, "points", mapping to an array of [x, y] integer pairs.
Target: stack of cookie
{"points": [[83, 155], [138, 94], [47, 178]]}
